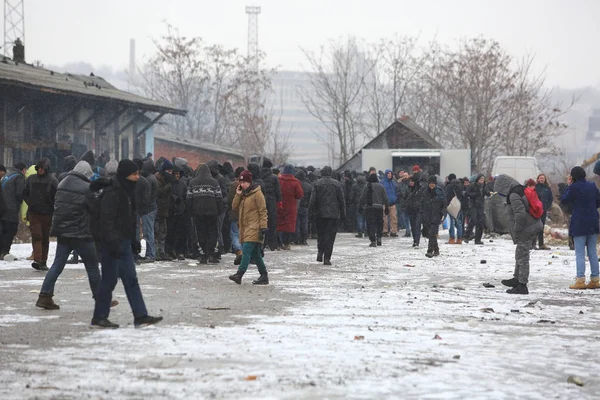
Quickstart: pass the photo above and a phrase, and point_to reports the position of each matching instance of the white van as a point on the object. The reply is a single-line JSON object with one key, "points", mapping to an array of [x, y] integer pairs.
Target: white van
{"points": [[520, 168]]}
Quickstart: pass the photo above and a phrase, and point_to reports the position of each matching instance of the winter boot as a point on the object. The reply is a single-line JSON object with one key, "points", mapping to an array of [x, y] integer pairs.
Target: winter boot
{"points": [[213, 259], [40, 266], [238, 258], [393, 235], [407, 234], [579, 284], [451, 241], [30, 258], [237, 277], [73, 260], [147, 320], [373, 244], [512, 282], [203, 259], [544, 247], [379, 242], [360, 235], [521, 288], [103, 324], [479, 243], [415, 245], [458, 241], [327, 262], [429, 253], [286, 247], [594, 283], [181, 257], [263, 280], [45, 301], [385, 234], [436, 252], [320, 256]]}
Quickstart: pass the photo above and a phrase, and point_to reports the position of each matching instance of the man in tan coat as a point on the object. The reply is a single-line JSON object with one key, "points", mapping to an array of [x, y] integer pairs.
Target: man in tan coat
{"points": [[250, 203]]}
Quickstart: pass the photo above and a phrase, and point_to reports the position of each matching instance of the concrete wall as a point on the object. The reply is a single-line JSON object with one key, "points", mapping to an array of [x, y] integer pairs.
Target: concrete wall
{"points": [[195, 156], [451, 161]]}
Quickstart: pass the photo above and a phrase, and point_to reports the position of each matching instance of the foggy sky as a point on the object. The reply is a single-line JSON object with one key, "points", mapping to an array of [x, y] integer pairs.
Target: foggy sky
{"points": [[563, 34]]}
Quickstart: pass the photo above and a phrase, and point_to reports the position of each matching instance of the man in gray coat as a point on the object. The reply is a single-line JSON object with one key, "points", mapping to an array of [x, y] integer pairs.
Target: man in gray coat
{"points": [[523, 229]]}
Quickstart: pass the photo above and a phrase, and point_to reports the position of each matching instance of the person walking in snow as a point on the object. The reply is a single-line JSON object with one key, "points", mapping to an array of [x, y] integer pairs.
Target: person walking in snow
{"points": [[584, 197], [476, 194], [523, 229], [454, 189], [328, 205], [250, 204], [433, 207], [374, 203], [413, 208], [354, 200]]}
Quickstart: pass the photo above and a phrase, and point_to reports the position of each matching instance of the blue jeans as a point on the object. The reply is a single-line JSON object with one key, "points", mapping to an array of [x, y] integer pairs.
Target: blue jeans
{"points": [[112, 269], [234, 234], [302, 225], [251, 251], [581, 242], [361, 223], [86, 250], [456, 224], [148, 227], [406, 219]]}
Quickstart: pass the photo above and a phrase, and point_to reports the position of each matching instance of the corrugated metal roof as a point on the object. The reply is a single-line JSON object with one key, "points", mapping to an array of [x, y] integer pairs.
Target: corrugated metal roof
{"points": [[94, 87], [198, 144]]}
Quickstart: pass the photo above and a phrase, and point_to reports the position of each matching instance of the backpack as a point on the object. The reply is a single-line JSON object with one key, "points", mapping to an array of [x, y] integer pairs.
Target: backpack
{"points": [[536, 208]]}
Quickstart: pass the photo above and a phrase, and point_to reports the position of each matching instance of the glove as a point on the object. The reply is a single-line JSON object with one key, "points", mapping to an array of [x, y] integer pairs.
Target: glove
{"points": [[386, 211], [136, 247], [262, 234], [114, 249]]}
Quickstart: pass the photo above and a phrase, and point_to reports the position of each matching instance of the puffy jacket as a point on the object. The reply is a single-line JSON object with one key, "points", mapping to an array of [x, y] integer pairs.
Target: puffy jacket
{"points": [[39, 193], [413, 200], [178, 197], [306, 188], [327, 197], [252, 211], [522, 224], [255, 171], [163, 193], [12, 188], [142, 196], [117, 214], [272, 186], [223, 182], [584, 199], [391, 188], [373, 195], [545, 195], [148, 172], [291, 192], [204, 194], [73, 206], [476, 194], [433, 207]]}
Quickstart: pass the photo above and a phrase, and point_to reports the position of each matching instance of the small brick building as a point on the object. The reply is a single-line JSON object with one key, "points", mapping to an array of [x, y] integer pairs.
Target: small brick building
{"points": [[195, 152]]}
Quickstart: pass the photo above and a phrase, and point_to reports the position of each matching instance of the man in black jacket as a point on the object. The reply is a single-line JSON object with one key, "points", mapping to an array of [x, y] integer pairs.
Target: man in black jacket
{"points": [[328, 205], [39, 193], [144, 205], [12, 188], [354, 200], [272, 192], [223, 185], [453, 189], [117, 238], [476, 194], [148, 218], [163, 200], [68, 165], [374, 203], [73, 206], [176, 244], [205, 202], [302, 219]]}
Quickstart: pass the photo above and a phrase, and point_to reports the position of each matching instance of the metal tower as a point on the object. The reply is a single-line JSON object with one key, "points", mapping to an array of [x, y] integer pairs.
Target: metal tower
{"points": [[14, 24], [253, 12]]}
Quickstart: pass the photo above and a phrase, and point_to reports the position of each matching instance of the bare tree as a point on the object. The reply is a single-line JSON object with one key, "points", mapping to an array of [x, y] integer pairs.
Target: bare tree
{"points": [[336, 98]]}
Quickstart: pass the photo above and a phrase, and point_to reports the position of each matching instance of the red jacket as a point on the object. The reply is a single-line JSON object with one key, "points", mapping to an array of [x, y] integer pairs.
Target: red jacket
{"points": [[291, 192]]}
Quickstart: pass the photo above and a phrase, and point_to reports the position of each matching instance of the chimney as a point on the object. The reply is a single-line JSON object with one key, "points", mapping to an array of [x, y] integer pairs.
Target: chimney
{"points": [[19, 52]]}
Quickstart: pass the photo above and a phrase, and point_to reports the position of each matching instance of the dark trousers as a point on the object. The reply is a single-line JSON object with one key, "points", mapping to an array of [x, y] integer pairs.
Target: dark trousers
{"points": [[206, 227], [86, 249], [192, 237], [433, 243], [40, 224], [302, 225], [477, 221], [9, 230], [326, 231], [541, 234], [112, 269], [176, 241], [225, 232], [272, 237], [415, 226], [374, 223]]}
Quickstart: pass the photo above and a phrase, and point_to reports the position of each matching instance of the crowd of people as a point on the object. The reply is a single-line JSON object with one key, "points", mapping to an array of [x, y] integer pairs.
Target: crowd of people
{"points": [[99, 210]]}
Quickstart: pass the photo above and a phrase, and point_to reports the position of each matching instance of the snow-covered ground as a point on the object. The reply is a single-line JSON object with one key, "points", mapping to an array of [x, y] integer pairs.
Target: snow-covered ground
{"points": [[379, 323]]}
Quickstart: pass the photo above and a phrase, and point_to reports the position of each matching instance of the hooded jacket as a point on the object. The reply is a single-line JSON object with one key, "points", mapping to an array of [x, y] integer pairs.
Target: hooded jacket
{"points": [[68, 165], [476, 193], [272, 186], [291, 192], [433, 207], [584, 199], [73, 206], [12, 188], [163, 193], [413, 200], [522, 225], [306, 188], [252, 211], [391, 188], [148, 173], [223, 182], [373, 195], [40, 190], [357, 190], [327, 197], [204, 195], [255, 171]]}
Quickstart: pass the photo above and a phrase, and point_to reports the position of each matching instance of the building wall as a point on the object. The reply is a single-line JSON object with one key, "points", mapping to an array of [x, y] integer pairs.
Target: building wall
{"points": [[193, 155]]}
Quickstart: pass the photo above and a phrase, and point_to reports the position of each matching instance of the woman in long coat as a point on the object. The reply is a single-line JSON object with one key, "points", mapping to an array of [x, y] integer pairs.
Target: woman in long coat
{"points": [[291, 194]]}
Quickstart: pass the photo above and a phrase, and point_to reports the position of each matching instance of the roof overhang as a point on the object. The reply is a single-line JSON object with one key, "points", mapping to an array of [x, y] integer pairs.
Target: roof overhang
{"points": [[421, 153]]}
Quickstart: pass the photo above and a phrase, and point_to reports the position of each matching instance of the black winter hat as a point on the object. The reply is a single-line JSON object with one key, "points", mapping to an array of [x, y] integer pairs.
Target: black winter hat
{"points": [[577, 173], [43, 163], [432, 179], [267, 163], [238, 171], [373, 178], [451, 177], [126, 168]]}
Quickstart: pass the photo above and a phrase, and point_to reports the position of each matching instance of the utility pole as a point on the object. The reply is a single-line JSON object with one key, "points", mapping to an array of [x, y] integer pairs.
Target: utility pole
{"points": [[14, 24], [253, 12]]}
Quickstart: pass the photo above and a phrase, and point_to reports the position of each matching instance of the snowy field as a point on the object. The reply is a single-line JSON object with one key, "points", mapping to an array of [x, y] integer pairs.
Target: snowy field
{"points": [[379, 323]]}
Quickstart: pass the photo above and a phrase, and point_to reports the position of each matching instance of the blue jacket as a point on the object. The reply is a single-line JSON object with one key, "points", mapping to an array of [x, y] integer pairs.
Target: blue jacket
{"points": [[391, 188], [585, 199]]}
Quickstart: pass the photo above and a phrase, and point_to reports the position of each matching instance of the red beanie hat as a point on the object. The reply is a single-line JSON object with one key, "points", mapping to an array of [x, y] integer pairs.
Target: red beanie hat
{"points": [[416, 168], [246, 176]]}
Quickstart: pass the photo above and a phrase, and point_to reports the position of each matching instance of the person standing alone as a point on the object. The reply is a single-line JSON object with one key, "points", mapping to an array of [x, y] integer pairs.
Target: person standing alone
{"points": [[545, 195], [327, 204], [390, 220], [39, 193]]}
